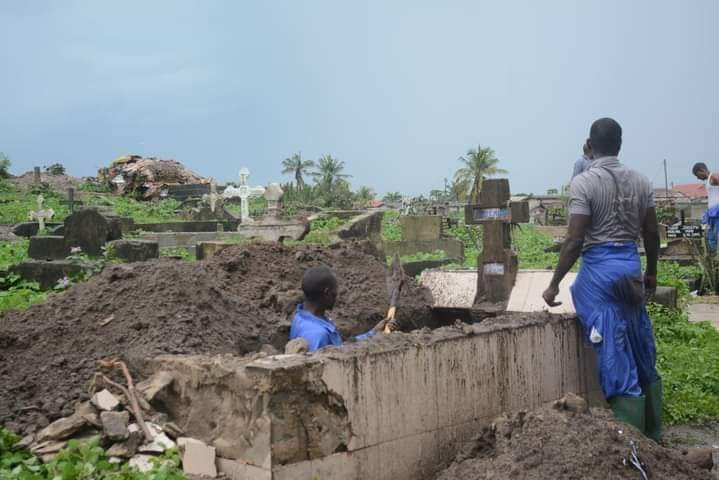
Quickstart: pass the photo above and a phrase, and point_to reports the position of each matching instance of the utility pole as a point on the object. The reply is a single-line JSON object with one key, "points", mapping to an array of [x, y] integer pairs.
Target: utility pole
{"points": [[666, 180]]}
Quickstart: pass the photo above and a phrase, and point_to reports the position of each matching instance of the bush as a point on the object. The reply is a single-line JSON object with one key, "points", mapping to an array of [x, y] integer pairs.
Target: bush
{"points": [[55, 169], [4, 166], [391, 229]]}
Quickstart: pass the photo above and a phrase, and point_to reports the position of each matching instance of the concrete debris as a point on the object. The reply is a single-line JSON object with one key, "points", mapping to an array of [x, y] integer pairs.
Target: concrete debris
{"points": [[197, 457], [88, 412], [25, 442], [298, 345], [62, 428], [128, 448], [173, 430], [47, 448], [115, 460], [104, 400], [142, 463], [115, 424], [161, 443], [154, 385]]}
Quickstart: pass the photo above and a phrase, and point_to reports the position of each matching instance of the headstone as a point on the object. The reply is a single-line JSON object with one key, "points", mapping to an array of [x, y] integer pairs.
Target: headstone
{"points": [[45, 273], [498, 264], [70, 201], [244, 192], [41, 215], [273, 195], [421, 227], [212, 197], [205, 250], [36, 176], [87, 229], [134, 250], [48, 247]]}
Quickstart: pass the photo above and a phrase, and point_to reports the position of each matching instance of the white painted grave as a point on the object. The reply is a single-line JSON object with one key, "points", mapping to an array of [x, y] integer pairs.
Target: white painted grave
{"points": [[244, 192], [41, 215]]}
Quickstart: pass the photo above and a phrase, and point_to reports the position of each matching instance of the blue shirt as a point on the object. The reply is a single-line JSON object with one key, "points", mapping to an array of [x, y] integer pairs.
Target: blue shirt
{"points": [[581, 165], [318, 332]]}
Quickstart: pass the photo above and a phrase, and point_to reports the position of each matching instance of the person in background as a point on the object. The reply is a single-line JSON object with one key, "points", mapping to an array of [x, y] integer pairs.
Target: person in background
{"points": [[711, 216], [311, 322], [584, 162], [610, 206]]}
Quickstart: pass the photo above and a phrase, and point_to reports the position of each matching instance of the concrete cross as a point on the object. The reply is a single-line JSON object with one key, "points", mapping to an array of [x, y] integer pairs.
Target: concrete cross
{"points": [[41, 215], [498, 263], [244, 192], [212, 197]]}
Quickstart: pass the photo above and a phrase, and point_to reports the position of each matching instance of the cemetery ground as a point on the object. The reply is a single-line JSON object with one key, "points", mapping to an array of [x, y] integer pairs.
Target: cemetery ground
{"points": [[53, 338]]}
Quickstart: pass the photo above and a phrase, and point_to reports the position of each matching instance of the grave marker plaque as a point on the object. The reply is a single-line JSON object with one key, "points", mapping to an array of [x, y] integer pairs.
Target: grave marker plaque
{"points": [[498, 264], [684, 231]]}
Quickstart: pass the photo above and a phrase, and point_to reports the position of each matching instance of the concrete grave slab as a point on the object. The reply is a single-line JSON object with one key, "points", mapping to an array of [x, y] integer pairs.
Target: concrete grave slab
{"points": [[458, 288]]}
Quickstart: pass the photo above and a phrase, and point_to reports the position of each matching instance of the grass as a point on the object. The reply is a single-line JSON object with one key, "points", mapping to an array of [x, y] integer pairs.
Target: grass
{"points": [[322, 230], [15, 206], [79, 461], [181, 252], [688, 361]]}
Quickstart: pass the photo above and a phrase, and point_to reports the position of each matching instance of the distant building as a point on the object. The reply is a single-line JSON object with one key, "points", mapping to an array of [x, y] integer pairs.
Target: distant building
{"points": [[690, 198]]}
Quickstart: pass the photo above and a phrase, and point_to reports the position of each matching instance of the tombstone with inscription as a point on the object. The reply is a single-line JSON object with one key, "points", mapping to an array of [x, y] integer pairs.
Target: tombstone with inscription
{"points": [[498, 263]]}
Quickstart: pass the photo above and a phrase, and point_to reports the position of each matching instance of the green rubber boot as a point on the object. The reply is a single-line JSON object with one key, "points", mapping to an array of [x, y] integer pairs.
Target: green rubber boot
{"points": [[653, 412], [631, 410]]}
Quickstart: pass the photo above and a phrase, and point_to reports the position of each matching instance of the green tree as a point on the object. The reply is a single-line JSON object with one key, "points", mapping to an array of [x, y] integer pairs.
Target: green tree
{"points": [[4, 166], [298, 167], [392, 197], [479, 163], [329, 173], [364, 196]]}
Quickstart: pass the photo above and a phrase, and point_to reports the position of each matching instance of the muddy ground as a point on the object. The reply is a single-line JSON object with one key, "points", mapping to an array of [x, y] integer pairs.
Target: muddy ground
{"points": [[561, 444], [234, 303]]}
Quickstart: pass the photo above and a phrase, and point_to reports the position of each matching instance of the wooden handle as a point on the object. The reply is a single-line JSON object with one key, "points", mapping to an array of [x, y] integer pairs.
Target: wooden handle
{"points": [[390, 315]]}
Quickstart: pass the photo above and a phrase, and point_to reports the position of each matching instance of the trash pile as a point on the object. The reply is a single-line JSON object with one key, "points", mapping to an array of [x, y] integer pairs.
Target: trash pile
{"points": [[147, 176], [566, 440], [129, 427]]}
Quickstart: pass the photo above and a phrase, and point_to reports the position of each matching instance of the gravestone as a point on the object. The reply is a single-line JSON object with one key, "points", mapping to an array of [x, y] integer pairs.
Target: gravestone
{"points": [[134, 250], [70, 201], [48, 247], [498, 264], [244, 192], [212, 197], [273, 195], [87, 229], [41, 215], [36, 176], [417, 228]]}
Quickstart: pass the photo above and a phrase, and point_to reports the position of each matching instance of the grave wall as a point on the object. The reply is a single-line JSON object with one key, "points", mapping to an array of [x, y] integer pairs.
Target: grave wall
{"points": [[390, 408]]}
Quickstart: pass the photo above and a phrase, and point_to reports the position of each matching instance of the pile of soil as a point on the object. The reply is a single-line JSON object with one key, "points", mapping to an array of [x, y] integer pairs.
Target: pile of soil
{"points": [[58, 183], [235, 303], [552, 442]]}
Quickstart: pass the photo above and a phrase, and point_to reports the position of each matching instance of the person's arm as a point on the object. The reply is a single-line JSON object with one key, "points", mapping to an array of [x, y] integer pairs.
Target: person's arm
{"points": [[378, 328], [571, 249], [714, 178], [650, 236], [578, 167]]}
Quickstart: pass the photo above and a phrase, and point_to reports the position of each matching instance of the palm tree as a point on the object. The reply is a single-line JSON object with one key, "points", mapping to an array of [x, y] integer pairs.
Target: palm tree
{"points": [[295, 165], [392, 197], [364, 195], [329, 172], [478, 164]]}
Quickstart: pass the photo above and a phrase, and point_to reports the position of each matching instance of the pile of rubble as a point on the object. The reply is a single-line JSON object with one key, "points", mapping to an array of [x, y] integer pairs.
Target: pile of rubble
{"points": [[129, 427], [148, 176]]}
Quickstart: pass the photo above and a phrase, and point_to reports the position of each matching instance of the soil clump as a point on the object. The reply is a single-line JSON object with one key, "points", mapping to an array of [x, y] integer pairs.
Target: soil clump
{"points": [[562, 443], [233, 303]]}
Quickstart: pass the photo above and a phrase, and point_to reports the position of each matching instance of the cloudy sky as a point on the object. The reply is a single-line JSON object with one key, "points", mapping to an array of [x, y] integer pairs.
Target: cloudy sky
{"points": [[397, 89]]}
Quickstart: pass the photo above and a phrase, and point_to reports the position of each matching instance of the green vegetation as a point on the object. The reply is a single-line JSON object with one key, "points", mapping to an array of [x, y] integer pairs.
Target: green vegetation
{"points": [[4, 166], [12, 253], [145, 211], [181, 252], [78, 461], [688, 361], [18, 294], [530, 245], [322, 230], [478, 163], [15, 206], [391, 229], [420, 257]]}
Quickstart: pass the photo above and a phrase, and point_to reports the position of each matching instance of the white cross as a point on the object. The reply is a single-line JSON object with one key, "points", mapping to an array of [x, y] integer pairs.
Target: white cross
{"points": [[244, 192], [41, 215], [212, 197]]}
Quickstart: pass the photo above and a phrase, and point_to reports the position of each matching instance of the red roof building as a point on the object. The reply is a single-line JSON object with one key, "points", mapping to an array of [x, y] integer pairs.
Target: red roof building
{"points": [[694, 191]]}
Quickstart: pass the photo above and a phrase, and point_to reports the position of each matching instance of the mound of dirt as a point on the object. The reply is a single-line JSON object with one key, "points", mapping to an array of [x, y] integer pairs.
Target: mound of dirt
{"points": [[58, 183], [233, 303], [553, 442]]}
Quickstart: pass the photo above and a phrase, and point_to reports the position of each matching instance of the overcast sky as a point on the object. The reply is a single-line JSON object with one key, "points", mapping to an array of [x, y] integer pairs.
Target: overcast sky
{"points": [[396, 89]]}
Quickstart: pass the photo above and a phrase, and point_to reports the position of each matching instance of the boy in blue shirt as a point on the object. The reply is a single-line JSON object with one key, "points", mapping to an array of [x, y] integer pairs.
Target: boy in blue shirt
{"points": [[311, 322]]}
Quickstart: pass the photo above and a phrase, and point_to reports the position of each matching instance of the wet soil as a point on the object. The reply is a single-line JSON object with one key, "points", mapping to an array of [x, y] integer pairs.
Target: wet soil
{"points": [[233, 303], [562, 445]]}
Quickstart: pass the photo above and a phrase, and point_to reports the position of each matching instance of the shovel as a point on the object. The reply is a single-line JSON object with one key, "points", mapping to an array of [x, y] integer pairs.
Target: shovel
{"points": [[395, 280]]}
